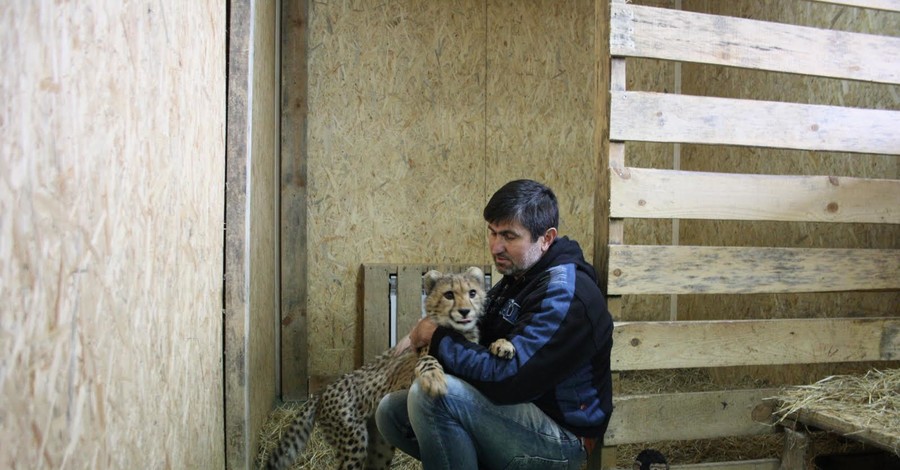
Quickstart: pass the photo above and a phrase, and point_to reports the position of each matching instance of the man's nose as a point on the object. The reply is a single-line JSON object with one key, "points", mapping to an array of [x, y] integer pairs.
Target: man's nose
{"points": [[496, 246]]}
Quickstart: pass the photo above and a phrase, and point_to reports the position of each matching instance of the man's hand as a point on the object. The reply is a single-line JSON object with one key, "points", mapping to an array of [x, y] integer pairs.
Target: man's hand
{"points": [[420, 336], [402, 346]]}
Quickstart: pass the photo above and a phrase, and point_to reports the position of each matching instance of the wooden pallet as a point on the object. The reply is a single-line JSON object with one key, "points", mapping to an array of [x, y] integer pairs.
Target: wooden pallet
{"points": [[627, 31]]}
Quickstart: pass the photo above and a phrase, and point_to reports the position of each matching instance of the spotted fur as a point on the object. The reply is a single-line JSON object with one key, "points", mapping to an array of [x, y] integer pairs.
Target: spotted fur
{"points": [[345, 409]]}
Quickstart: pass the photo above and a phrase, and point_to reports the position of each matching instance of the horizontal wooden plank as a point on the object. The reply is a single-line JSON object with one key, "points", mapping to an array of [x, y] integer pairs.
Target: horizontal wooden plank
{"points": [[642, 269], [652, 193], [887, 5], [660, 33], [832, 421], [757, 464], [685, 416], [689, 344], [661, 117]]}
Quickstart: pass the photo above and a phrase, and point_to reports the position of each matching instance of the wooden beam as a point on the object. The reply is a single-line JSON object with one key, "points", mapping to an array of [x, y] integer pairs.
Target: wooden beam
{"points": [[721, 343], [796, 450], [643, 269], [887, 5], [660, 33], [294, 261], [684, 416], [833, 422], [652, 193], [661, 117], [757, 464]]}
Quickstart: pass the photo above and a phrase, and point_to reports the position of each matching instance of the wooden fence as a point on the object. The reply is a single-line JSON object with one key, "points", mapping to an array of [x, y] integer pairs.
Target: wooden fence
{"points": [[636, 31]]}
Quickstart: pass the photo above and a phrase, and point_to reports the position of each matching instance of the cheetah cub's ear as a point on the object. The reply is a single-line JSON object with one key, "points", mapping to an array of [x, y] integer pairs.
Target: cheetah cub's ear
{"points": [[476, 274], [431, 278]]}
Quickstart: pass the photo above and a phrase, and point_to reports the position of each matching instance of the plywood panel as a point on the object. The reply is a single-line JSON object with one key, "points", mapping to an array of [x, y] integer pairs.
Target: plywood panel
{"points": [[396, 144], [112, 137], [539, 108]]}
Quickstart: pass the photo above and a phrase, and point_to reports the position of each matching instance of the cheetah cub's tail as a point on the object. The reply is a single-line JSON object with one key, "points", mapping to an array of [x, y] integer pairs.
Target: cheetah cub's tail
{"points": [[295, 437]]}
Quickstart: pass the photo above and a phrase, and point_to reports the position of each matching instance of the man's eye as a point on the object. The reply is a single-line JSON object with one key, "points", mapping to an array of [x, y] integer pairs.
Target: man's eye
{"points": [[472, 294], [448, 295]]}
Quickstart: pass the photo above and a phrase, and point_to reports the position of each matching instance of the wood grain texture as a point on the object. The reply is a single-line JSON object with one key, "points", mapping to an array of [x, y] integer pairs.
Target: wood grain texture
{"points": [[639, 192], [643, 269], [832, 421], [294, 260], [658, 33], [660, 117], [112, 201], [887, 5], [251, 254], [684, 416], [674, 345]]}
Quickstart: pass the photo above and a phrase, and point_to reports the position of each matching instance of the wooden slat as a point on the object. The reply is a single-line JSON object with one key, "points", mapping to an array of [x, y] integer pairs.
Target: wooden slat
{"points": [[409, 298], [659, 33], [660, 117], [651, 193], [639, 269], [687, 344], [887, 5], [832, 421], [376, 309], [758, 464], [684, 416]]}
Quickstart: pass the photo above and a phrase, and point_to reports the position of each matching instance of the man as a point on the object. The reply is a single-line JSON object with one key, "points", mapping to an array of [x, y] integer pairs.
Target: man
{"points": [[545, 407]]}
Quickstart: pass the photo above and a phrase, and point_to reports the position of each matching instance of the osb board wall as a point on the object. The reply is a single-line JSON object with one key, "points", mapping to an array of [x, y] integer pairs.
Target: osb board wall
{"points": [[252, 220], [418, 112], [717, 81], [112, 131]]}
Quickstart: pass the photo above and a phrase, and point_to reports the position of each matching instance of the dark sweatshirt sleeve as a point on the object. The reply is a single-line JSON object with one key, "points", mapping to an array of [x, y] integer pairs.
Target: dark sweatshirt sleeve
{"points": [[553, 337]]}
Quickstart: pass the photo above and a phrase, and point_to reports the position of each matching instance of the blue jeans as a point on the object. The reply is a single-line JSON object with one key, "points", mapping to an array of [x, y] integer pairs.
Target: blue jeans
{"points": [[464, 430]]}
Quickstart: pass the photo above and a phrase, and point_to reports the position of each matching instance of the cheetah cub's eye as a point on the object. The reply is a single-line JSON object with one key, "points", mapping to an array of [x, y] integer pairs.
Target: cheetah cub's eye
{"points": [[448, 295], [472, 293]]}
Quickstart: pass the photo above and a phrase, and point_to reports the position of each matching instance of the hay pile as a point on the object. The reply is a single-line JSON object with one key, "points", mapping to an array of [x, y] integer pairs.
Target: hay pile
{"points": [[866, 403], [318, 454]]}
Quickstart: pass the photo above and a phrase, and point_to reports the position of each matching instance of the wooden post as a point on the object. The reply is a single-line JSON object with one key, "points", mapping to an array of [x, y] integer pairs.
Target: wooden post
{"points": [[796, 449]]}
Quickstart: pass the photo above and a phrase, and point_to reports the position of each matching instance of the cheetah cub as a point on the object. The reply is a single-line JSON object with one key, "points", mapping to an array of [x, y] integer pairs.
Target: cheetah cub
{"points": [[345, 409]]}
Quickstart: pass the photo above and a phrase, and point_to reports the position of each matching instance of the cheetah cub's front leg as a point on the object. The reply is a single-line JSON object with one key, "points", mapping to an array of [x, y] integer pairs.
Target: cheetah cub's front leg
{"points": [[503, 349]]}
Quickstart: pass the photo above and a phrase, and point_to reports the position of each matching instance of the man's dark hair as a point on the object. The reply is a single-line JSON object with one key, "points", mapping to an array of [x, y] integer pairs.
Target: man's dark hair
{"points": [[527, 202]]}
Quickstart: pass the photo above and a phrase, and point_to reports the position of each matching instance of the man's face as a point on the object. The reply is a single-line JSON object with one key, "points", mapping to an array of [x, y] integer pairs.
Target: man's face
{"points": [[512, 248]]}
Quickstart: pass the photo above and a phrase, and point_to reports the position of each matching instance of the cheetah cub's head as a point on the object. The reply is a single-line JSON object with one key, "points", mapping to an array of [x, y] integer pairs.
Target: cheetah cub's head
{"points": [[455, 300]]}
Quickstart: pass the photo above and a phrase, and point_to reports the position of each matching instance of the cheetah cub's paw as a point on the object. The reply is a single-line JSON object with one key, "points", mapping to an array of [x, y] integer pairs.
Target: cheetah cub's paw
{"points": [[430, 375], [503, 349]]}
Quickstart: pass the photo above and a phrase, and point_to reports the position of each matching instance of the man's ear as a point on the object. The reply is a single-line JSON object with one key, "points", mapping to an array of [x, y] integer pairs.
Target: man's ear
{"points": [[547, 239]]}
